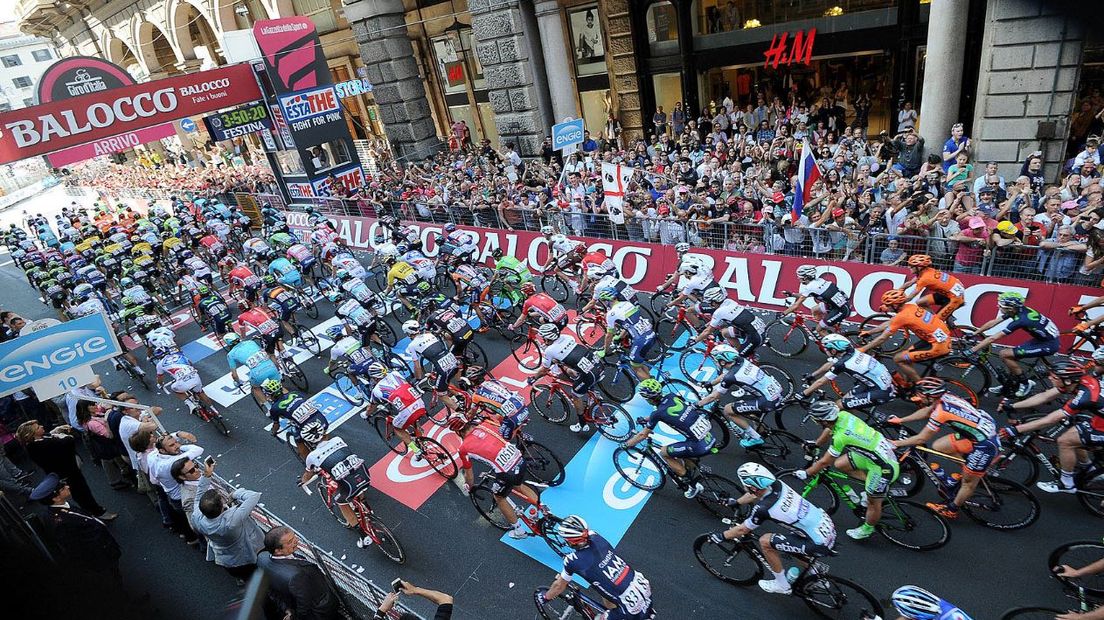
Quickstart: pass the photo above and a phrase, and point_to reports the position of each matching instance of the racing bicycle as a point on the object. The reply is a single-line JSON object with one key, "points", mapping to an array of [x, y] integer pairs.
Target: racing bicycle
{"points": [[533, 514], [573, 603], [552, 401], [372, 529], [203, 412], [429, 450]]}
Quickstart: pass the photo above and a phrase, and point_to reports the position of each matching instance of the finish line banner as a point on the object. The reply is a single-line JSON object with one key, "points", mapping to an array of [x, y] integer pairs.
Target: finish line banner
{"points": [[756, 280], [57, 125]]}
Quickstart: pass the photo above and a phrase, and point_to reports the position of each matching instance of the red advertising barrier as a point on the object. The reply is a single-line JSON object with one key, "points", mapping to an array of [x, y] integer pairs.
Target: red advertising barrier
{"points": [[754, 279], [48, 127]]}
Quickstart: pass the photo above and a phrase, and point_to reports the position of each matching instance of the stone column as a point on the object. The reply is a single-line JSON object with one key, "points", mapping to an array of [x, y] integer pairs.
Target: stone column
{"points": [[557, 63], [398, 88], [498, 27], [943, 72]]}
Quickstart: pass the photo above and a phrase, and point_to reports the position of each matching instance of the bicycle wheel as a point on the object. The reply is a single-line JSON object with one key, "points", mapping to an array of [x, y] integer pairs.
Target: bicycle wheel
{"points": [[658, 304], [559, 608], [438, 458], [613, 421], [474, 355], [552, 405], [674, 334], [350, 389], [306, 339], [1002, 505], [1078, 554], [335, 510], [782, 377], [963, 370], [1016, 464], [309, 307], [529, 355], [840, 599], [698, 366], [483, 499], [719, 495], [912, 525], [591, 332], [785, 339], [541, 464], [386, 333], [909, 482], [387, 433], [1090, 492], [684, 389], [640, 468], [815, 489], [618, 383], [555, 287], [874, 323], [219, 422], [718, 427], [729, 561], [385, 540], [779, 450], [1032, 613], [295, 375]]}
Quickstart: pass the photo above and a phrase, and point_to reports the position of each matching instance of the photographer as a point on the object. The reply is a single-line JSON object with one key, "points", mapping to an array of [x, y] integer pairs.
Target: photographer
{"points": [[442, 600]]}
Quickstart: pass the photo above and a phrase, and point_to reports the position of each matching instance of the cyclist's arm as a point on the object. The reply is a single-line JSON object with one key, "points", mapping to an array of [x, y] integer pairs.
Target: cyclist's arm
{"points": [[1037, 399], [1091, 569], [988, 340], [639, 437], [918, 439], [556, 589], [920, 414], [307, 476], [825, 459], [1053, 417], [796, 304], [705, 333], [877, 342], [1092, 304], [709, 398]]}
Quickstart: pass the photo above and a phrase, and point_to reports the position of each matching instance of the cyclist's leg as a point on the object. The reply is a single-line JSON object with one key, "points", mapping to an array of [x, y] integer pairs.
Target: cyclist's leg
{"points": [[831, 319], [744, 405], [949, 306], [501, 484], [641, 347], [581, 386]]}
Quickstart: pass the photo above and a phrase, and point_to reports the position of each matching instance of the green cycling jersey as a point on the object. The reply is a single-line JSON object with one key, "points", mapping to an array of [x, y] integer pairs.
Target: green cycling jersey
{"points": [[850, 434], [514, 269]]}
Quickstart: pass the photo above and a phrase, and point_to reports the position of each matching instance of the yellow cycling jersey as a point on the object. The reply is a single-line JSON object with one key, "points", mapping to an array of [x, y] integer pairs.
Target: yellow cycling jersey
{"points": [[86, 245], [114, 248], [403, 272], [141, 248], [171, 243], [143, 259]]}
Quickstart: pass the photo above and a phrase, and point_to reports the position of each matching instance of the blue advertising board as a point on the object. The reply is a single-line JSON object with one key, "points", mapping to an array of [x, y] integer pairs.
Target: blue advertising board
{"points": [[567, 133], [55, 350]]}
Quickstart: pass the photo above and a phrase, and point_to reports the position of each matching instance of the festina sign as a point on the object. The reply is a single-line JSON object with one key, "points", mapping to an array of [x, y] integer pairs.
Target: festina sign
{"points": [[56, 125]]}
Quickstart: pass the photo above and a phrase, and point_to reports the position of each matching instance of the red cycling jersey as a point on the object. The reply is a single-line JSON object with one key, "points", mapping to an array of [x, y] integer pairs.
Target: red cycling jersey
{"points": [[243, 276], [259, 321], [1087, 401], [598, 258], [211, 242], [484, 443], [549, 309]]}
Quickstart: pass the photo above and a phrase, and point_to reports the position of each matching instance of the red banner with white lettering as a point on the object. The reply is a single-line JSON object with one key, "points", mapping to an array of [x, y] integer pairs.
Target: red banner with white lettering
{"points": [[57, 125], [757, 280]]}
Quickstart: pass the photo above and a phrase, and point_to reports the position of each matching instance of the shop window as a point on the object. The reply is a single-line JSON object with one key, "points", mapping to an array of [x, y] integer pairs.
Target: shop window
{"points": [[588, 41], [662, 22], [330, 155], [717, 16], [449, 62]]}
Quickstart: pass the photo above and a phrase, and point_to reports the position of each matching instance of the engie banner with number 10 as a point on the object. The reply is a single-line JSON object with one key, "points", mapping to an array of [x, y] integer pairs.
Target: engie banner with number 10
{"points": [[54, 350]]}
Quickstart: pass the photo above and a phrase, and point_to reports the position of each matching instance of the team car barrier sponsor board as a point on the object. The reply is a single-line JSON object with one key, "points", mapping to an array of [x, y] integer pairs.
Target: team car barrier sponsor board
{"points": [[757, 280]]}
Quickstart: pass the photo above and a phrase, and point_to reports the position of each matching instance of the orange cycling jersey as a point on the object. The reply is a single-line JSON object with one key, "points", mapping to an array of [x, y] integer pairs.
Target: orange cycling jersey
{"points": [[965, 421], [922, 323], [937, 281]]}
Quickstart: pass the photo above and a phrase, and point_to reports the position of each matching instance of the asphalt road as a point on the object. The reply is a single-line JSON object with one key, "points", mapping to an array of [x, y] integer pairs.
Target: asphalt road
{"points": [[450, 548]]}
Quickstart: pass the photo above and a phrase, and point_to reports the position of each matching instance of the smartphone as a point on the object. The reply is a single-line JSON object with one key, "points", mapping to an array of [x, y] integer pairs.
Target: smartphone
{"points": [[396, 585], [209, 461]]}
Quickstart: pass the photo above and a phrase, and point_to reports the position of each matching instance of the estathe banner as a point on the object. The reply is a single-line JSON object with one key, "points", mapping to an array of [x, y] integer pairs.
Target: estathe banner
{"points": [[757, 280], [57, 125]]}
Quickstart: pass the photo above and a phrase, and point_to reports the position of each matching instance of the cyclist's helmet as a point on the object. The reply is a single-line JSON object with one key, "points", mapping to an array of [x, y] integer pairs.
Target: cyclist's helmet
{"points": [[333, 296], [806, 273], [272, 387], [269, 280], [548, 332], [379, 238], [343, 274], [931, 386], [186, 254], [836, 342], [714, 295], [450, 227], [546, 230], [1069, 371], [824, 411], [402, 248], [528, 288], [682, 248], [311, 434], [1010, 301], [893, 297], [128, 302], [389, 259], [335, 333], [606, 295], [574, 530], [496, 253], [377, 370], [650, 389], [920, 260], [725, 354], [916, 603], [231, 339], [410, 327], [203, 289], [754, 476], [125, 283]]}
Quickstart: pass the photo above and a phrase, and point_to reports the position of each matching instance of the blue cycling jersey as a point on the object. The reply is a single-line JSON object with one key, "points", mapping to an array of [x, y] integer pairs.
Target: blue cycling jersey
{"points": [[250, 354], [947, 611], [1035, 324], [285, 271], [674, 411], [601, 567]]}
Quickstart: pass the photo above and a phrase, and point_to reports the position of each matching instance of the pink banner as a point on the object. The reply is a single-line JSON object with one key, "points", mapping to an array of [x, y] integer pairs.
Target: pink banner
{"points": [[114, 144], [757, 280]]}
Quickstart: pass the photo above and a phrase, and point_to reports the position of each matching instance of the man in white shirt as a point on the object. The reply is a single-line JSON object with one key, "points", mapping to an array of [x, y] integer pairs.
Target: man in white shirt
{"points": [[170, 448]]}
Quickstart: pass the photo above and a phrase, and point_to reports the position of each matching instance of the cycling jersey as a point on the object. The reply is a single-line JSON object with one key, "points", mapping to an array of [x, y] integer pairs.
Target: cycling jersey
{"points": [[334, 457], [472, 277], [300, 254], [244, 277], [825, 292], [692, 423], [214, 307], [696, 284], [358, 290], [937, 281], [282, 240], [513, 269], [350, 264], [1039, 327], [731, 314], [255, 246], [259, 322], [483, 443], [285, 272], [565, 352], [863, 368], [138, 295], [599, 259], [456, 326], [250, 354], [354, 314], [782, 504], [185, 376], [566, 246], [302, 413], [430, 348], [423, 266], [748, 376], [503, 402], [549, 310], [198, 268], [850, 434], [1086, 401], [965, 421], [631, 318], [600, 566], [404, 399], [213, 244], [621, 290], [351, 349]]}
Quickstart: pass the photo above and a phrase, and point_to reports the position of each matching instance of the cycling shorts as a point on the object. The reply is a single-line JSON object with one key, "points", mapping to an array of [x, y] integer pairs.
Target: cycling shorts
{"points": [[878, 475], [753, 403], [691, 448], [1089, 436], [352, 485], [442, 378], [1036, 348], [270, 340], [190, 383], [510, 423], [979, 455], [927, 351], [833, 315], [748, 343], [504, 481], [219, 323], [407, 417], [862, 396], [796, 542], [640, 347], [947, 305], [567, 261], [584, 383]]}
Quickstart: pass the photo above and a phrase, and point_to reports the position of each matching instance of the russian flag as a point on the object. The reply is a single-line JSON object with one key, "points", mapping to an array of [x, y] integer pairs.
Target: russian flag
{"points": [[807, 175]]}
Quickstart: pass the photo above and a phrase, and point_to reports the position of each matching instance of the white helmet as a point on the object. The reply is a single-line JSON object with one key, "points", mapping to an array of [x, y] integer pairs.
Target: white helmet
{"points": [[411, 327], [714, 295], [546, 230], [806, 272], [754, 476], [682, 248], [548, 332], [573, 529]]}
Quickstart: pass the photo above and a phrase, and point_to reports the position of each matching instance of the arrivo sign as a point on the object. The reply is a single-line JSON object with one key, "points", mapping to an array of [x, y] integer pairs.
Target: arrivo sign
{"points": [[756, 280], [56, 125]]}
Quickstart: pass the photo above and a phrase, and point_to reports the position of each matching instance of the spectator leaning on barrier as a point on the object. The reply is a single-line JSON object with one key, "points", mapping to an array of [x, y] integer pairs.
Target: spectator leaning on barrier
{"points": [[56, 453], [169, 449]]}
